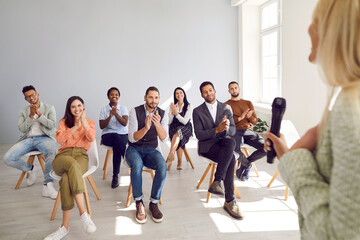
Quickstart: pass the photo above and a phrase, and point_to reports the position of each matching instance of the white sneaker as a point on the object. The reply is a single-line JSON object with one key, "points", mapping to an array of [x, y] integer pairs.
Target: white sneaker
{"points": [[88, 225], [32, 177], [58, 234], [49, 191]]}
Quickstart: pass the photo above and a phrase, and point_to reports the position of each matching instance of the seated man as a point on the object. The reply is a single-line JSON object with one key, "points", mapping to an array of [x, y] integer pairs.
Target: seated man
{"points": [[146, 123], [37, 123], [244, 116], [214, 126]]}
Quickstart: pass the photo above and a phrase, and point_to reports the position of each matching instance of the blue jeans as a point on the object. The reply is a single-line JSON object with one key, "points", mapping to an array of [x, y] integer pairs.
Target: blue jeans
{"points": [[41, 143], [137, 158]]}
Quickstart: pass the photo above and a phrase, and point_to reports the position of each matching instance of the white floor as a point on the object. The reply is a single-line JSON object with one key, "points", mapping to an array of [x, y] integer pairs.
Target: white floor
{"points": [[24, 214]]}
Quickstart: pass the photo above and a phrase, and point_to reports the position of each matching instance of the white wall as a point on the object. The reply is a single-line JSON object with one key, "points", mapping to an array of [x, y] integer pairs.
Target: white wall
{"points": [[304, 91], [302, 87], [84, 47]]}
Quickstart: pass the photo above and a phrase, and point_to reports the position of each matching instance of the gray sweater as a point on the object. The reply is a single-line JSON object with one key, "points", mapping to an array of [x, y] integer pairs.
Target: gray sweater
{"points": [[47, 120]]}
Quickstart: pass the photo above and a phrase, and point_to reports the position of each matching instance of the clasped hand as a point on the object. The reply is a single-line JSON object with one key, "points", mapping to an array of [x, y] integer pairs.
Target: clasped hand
{"points": [[223, 126], [152, 118]]}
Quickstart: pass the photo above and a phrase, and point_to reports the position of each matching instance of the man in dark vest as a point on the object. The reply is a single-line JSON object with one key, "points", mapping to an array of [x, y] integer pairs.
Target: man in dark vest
{"points": [[146, 123]]}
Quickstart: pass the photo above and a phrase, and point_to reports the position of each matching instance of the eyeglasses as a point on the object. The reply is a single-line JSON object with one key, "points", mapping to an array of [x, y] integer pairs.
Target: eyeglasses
{"points": [[30, 96]]}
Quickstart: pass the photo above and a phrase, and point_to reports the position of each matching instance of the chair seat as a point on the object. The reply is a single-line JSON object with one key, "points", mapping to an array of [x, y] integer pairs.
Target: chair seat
{"points": [[106, 147], [32, 153], [90, 171]]}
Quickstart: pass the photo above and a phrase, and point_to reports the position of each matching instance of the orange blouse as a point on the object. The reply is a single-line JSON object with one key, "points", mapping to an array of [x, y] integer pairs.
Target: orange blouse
{"points": [[82, 137]]}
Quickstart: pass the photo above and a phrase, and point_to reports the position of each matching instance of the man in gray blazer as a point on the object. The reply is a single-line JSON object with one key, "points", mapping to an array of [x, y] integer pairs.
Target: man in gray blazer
{"points": [[37, 124], [214, 127]]}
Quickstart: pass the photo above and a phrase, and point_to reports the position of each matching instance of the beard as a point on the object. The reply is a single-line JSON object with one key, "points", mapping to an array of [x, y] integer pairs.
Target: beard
{"points": [[209, 100], [151, 107], [235, 95]]}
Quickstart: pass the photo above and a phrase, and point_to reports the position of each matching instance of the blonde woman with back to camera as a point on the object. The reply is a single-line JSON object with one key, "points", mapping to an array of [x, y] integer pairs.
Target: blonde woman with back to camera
{"points": [[323, 167]]}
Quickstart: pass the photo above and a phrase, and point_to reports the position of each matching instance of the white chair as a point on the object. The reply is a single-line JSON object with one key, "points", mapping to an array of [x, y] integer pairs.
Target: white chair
{"points": [[93, 165], [30, 160], [145, 169], [291, 136], [109, 152], [213, 166]]}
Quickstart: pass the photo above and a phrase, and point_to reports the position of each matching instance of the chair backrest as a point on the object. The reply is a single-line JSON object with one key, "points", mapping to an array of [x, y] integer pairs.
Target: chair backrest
{"points": [[289, 131], [93, 159]]}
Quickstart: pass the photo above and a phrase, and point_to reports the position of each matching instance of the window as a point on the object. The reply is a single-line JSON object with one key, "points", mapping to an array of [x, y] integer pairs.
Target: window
{"points": [[270, 52]]}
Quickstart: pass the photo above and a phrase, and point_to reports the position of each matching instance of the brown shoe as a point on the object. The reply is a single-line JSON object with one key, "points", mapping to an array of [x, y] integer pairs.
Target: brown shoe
{"points": [[140, 216], [216, 188], [233, 209], [156, 215]]}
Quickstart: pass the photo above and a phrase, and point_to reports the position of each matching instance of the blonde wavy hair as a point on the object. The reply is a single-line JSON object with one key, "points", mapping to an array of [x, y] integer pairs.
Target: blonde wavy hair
{"points": [[338, 54]]}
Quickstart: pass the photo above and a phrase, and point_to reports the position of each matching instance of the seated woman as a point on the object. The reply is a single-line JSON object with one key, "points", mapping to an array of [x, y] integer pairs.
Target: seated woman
{"points": [[180, 128], [75, 134], [113, 121]]}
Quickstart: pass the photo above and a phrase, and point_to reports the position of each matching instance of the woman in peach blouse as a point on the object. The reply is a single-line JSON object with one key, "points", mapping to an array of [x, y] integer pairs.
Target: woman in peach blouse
{"points": [[75, 134]]}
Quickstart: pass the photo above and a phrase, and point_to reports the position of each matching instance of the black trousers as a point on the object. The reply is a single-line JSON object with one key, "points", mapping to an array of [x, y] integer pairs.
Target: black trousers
{"points": [[222, 152], [118, 143], [247, 136]]}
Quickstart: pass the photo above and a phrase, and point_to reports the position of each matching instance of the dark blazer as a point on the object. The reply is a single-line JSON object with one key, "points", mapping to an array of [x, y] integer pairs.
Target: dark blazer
{"points": [[205, 126]]}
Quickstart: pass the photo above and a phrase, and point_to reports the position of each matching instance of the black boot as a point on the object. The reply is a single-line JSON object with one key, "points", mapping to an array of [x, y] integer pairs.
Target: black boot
{"points": [[115, 181]]}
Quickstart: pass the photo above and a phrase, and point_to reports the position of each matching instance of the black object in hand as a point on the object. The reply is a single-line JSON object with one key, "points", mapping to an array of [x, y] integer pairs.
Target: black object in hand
{"points": [[278, 109]]}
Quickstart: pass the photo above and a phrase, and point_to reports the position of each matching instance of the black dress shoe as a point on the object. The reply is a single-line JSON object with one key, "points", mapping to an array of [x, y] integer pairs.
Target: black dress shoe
{"points": [[115, 182], [240, 171]]}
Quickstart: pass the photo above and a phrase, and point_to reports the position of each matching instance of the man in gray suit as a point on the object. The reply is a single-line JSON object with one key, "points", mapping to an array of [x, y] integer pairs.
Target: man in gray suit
{"points": [[214, 127]]}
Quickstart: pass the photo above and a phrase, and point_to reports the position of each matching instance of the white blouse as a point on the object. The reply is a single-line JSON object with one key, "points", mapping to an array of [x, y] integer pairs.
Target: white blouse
{"points": [[184, 120]]}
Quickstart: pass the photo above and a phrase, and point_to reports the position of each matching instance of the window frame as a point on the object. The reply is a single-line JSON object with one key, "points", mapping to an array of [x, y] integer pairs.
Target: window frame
{"points": [[264, 32]]}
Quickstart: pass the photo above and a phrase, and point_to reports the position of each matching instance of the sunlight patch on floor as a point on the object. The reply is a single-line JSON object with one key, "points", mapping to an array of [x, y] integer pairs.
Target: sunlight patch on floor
{"points": [[126, 226]]}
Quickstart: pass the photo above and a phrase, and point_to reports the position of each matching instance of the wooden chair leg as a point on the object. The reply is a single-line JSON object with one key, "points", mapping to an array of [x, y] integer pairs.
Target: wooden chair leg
{"points": [[286, 192], [56, 206], [93, 186], [273, 178], [187, 156], [204, 175], [30, 161], [41, 159], [236, 192], [128, 200], [235, 188], [255, 169], [86, 197], [169, 165], [212, 176], [236, 163], [106, 163]]}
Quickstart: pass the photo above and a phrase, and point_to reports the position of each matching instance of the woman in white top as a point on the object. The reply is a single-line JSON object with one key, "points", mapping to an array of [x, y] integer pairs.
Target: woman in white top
{"points": [[180, 128]]}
